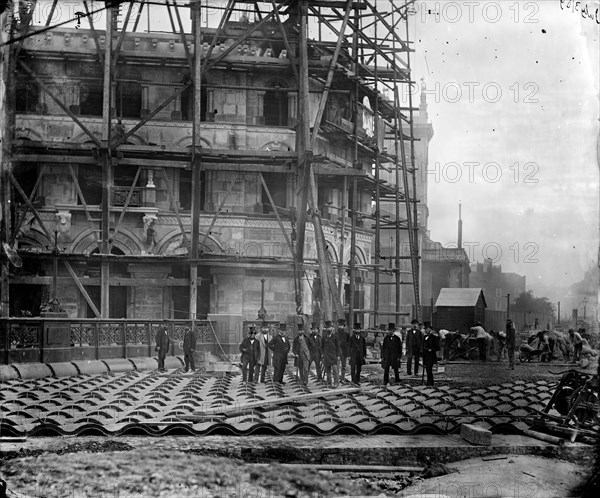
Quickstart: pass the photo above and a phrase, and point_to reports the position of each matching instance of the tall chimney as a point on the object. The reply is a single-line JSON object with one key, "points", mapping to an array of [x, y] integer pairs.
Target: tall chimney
{"points": [[459, 226]]}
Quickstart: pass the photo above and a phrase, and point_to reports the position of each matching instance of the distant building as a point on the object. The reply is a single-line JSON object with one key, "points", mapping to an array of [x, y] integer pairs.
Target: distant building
{"points": [[442, 267], [496, 284]]}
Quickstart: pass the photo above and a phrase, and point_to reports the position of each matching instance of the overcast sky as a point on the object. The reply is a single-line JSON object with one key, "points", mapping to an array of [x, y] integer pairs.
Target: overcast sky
{"points": [[513, 87]]}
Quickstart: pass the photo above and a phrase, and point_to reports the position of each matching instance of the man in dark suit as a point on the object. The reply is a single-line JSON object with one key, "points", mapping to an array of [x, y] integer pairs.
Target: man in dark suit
{"points": [[431, 345], [280, 345], [301, 348], [358, 353], [391, 354], [263, 360], [414, 346], [250, 350], [330, 347], [315, 352], [189, 347], [344, 341], [162, 346]]}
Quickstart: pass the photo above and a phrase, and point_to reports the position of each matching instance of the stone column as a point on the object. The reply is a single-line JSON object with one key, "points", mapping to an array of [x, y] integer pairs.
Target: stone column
{"points": [[145, 101], [260, 107]]}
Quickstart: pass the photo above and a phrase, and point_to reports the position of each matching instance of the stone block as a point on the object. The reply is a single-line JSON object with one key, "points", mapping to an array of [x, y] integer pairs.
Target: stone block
{"points": [[119, 365], [172, 362], [91, 367], [63, 369], [8, 372], [33, 370], [145, 363], [476, 435]]}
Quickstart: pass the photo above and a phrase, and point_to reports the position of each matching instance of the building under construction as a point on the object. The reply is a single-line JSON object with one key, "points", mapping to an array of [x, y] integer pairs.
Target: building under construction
{"points": [[256, 160]]}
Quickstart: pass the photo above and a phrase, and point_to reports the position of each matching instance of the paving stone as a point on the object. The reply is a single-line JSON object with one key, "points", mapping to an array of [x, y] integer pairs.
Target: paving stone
{"points": [[475, 434]]}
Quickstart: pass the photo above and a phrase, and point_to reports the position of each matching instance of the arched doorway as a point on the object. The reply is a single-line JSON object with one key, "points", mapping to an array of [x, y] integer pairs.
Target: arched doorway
{"points": [[117, 305]]}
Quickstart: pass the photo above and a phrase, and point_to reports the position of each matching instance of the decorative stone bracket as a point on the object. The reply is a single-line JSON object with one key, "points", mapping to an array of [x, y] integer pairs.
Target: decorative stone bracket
{"points": [[63, 226], [150, 220]]}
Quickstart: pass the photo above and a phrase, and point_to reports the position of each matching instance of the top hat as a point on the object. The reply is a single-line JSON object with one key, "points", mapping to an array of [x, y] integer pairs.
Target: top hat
{"points": [[414, 321], [357, 326], [341, 322], [282, 326], [251, 328], [314, 325], [427, 325], [327, 324], [391, 326], [300, 326]]}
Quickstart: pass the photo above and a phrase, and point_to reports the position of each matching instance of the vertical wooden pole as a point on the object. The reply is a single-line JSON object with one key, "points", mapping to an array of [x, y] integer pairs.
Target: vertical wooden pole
{"points": [[5, 165], [302, 147], [106, 168], [196, 159]]}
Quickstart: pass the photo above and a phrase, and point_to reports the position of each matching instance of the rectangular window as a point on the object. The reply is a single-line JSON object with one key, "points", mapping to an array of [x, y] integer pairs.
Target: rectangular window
{"points": [[277, 184]]}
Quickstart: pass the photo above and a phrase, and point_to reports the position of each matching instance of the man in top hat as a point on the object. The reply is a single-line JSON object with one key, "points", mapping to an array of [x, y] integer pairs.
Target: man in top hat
{"points": [[391, 354], [330, 347], [358, 353], [263, 358], [162, 346], [189, 347], [315, 348], [250, 350], [280, 345], [301, 349], [414, 346], [431, 345], [344, 340]]}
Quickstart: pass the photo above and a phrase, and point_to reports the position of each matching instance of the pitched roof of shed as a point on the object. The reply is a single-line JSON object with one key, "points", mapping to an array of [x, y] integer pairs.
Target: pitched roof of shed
{"points": [[459, 297]]}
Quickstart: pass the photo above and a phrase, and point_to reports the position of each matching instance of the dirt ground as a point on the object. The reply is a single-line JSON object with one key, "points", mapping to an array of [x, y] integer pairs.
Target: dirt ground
{"points": [[111, 467], [147, 473]]}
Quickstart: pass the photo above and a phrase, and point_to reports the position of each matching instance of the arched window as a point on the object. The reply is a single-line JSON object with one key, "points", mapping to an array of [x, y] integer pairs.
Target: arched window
{"points": [[275, 110]]}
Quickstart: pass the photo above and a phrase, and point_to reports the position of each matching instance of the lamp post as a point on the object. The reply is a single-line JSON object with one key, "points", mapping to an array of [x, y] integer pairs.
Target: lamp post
{"points": [[54, 264], [584, 306], [262, 312]]}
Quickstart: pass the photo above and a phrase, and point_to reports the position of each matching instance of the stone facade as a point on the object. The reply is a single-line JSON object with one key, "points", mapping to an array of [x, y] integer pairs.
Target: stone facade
{"points": [[244, 242]]}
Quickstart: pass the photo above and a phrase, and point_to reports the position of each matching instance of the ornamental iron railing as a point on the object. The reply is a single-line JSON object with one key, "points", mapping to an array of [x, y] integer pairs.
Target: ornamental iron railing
{"points": [[36, 339]]}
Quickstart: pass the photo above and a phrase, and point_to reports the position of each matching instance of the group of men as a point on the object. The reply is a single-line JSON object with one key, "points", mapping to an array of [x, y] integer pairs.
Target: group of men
{"points": [[163, 342], [332, 349], [327, 350]]}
